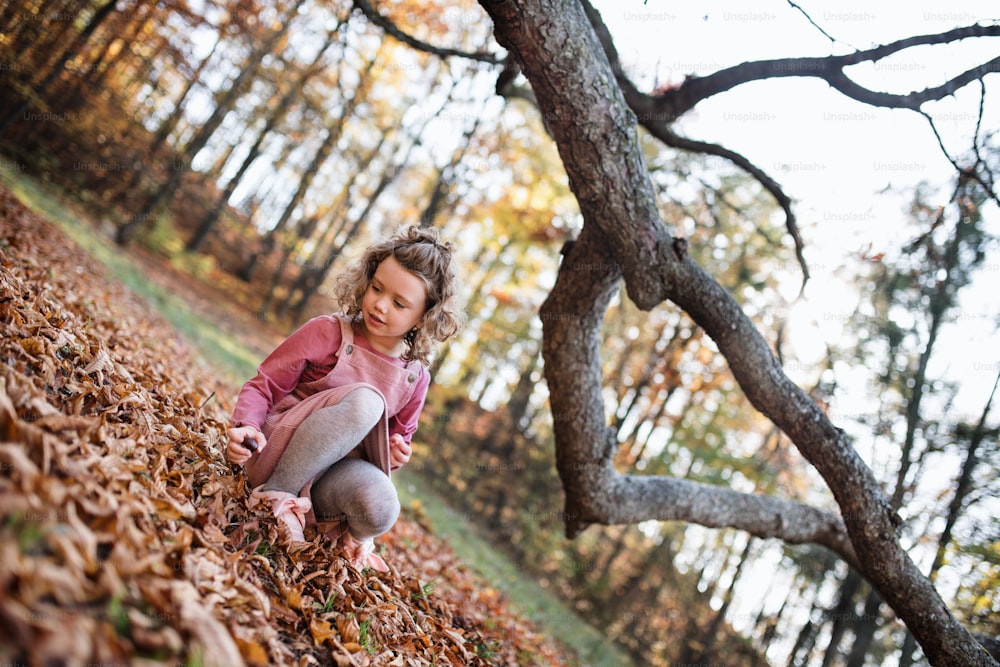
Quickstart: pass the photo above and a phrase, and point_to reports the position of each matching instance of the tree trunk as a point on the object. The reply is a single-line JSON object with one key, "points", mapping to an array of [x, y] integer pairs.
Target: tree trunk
{"points": [[623, 235], [331, 242], [842, 615], [708, 634], [388, 176], [446, 177], [334, 131], [864, 630], [964, 485]]}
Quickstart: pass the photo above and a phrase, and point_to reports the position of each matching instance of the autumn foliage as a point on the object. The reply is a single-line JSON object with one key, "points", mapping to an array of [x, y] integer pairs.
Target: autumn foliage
{"points": [[126, 536]]}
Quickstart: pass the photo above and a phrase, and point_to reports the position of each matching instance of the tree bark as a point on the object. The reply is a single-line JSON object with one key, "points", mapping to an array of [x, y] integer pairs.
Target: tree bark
{"points": [[623, 236]]}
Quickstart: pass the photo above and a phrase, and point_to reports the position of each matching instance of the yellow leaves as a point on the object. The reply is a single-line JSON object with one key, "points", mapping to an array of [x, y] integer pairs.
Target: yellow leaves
{"points": [[253, 651], [293, 596], [322, 631]]}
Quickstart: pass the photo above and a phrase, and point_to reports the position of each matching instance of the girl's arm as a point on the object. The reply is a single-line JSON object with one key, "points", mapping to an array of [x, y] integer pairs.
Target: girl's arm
{"points": [[404, 423], [315, 342]]}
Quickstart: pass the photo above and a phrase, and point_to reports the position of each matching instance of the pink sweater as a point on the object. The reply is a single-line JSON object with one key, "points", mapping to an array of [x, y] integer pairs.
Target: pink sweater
{"points": [[309, 354]]}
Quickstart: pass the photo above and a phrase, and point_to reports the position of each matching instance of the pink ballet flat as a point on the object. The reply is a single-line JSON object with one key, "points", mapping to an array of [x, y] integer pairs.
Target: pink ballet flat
{"points": [[361, 553], [288, 507]]}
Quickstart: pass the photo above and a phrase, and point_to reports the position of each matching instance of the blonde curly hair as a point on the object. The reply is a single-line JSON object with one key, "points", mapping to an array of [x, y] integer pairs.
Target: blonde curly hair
{"points": [[422, 253]]}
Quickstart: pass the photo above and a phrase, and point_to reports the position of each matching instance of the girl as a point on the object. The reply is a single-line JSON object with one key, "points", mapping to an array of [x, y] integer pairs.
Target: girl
{"points": [[333, 408]]}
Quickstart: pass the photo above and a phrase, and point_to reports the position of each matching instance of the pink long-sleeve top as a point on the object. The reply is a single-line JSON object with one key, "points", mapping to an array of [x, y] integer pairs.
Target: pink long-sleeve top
{"points": [[309, 354]]}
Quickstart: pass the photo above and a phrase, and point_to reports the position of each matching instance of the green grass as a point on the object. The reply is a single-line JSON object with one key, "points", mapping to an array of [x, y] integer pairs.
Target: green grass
{"points": [[239, 362]]}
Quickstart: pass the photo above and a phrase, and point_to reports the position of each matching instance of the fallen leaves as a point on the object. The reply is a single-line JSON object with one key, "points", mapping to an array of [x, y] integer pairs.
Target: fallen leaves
{"points": [[126, 538]]}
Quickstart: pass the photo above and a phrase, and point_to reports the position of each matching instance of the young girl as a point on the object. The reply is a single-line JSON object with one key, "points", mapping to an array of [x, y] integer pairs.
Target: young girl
{"points": [[333, 408]]}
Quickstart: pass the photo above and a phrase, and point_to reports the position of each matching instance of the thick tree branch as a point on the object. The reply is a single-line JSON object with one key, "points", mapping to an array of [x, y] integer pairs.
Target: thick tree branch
{"points": [[594, 130], [763, 516], [392, 29], [596, 492]]}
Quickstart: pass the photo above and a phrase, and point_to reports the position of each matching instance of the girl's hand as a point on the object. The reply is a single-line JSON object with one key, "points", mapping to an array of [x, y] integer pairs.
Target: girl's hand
{"points": [[399, 451], [236, 452]]}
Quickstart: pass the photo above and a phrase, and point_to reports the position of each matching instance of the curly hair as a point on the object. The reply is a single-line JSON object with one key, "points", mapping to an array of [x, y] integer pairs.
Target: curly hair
{"points": [[422, 253]]}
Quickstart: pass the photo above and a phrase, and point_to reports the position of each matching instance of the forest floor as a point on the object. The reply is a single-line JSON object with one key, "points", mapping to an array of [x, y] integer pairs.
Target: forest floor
{"points": [[126, 538]]}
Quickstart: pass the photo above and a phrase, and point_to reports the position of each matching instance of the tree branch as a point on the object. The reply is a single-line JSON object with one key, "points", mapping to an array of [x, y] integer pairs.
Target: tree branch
{"points": [[716, 507], [984, 177], [674, 102], [391, 29], [670, 138], [811, 21]]}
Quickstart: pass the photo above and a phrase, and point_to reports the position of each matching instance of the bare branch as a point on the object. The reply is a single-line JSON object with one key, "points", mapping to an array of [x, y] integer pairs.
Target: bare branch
{"points": [[717, 507], [391, 29], [810, 19], [668, 137], [674, 102], [980, 170]]}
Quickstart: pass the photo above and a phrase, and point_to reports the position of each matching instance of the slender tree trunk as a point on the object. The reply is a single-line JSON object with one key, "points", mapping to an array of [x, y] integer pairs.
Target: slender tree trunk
{"points": [[387, 178], [864, 630], [224, 105], [279, 113], [334, 132], [102, 13], [446, 177], [843, 616], [308, 292], [804, 643], [964, 484], [709, 634]]}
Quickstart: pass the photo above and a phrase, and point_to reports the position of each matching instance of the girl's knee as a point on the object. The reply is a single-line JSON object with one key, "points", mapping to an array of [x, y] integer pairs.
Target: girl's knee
{"points": [[378, 507], [367, 405], [361, 494]]}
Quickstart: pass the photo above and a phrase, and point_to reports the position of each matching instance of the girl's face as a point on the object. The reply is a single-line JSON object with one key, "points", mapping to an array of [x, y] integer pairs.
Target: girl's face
{"points": [[393, 304]]}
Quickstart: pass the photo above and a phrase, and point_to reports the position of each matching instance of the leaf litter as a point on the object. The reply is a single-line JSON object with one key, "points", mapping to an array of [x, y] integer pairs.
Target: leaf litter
{"points": [[126, 538]]}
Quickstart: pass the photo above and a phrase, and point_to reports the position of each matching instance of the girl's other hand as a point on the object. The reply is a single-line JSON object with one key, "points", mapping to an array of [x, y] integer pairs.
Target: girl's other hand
{"points": [[399, 451], [236, 451]]}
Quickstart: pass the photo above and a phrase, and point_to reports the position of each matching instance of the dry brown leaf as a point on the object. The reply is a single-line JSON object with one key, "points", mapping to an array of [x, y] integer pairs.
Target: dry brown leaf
{"points": [[217, 644], [322, 631]]}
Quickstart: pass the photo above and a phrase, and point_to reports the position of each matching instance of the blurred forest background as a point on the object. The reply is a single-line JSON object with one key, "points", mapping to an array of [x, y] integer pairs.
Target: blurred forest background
{"points": [[258, 146]]}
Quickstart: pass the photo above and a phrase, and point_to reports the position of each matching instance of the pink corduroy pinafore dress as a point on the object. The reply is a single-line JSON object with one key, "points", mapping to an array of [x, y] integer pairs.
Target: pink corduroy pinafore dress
{"points": [[356, 367]]}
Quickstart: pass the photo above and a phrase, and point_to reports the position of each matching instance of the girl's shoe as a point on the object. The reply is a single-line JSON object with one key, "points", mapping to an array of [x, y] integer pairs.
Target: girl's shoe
{"points": [[288, 507], [361, 553]]}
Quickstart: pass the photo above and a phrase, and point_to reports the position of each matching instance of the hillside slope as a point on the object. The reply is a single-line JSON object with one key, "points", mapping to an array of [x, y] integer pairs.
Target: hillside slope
{"points": [[126, 537]]}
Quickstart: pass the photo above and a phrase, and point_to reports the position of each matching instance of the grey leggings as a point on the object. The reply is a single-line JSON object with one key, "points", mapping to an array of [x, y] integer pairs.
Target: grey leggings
{"points": [[349, 489]]}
